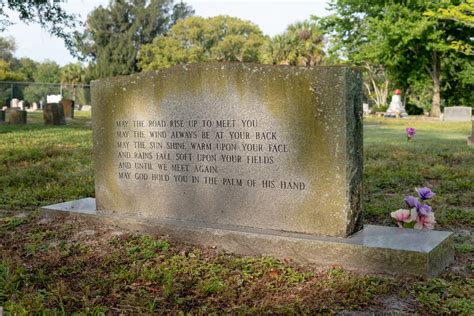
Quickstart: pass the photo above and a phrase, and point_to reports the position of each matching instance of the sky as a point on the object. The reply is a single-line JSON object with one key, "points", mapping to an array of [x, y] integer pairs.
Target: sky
{"points": [[272, 16]]}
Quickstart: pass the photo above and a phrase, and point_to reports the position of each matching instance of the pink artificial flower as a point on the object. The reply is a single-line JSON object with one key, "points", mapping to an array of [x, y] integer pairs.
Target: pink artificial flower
{"points": [[404, 216], [410, 132], [425, 221]]}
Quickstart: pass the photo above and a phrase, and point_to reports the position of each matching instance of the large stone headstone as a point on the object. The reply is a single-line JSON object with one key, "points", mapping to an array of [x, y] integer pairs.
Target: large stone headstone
{"points": [[16, 116], [254, 159], [457, 113], [256, 146], [53, 114], [68, 107]]}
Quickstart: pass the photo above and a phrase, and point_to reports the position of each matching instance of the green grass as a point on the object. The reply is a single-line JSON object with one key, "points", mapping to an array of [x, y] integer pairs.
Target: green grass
{"points": [[61, 266]]}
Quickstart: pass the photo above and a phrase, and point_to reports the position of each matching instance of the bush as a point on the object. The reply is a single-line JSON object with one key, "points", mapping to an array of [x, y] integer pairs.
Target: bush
{"points": [[413, 109]]}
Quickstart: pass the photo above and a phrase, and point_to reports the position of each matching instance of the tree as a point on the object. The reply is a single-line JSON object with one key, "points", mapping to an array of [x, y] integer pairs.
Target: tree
{"points": [[301, 45], [25, 66], [197, 39], [72, 75], [49, 14], [114, 34], [398, 35], [46, 72], [7, 48]]}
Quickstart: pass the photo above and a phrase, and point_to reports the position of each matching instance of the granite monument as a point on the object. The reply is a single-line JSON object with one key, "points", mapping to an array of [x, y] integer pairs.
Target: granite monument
{"points": [[255, 159]]}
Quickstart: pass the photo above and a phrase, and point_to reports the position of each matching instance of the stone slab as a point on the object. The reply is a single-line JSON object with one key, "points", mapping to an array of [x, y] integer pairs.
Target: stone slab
{"points": [[68, 107], [53, 114], [16, 116], [375, 249], [457, 114], [470, 139], [260, 146]]}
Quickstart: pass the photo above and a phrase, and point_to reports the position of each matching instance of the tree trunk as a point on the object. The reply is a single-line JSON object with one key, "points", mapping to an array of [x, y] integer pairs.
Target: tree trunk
{"points": [[436, 77]]}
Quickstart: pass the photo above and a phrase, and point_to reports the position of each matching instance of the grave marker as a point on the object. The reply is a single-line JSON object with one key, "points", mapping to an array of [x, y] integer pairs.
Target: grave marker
{"points": [[254, 159]]}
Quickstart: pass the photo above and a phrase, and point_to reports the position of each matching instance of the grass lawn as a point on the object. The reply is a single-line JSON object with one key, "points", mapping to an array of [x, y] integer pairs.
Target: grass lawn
{"points": [[62, 266]]}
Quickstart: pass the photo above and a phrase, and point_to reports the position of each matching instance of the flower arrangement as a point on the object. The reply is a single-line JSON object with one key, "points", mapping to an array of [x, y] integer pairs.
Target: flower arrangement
{"points": [[410, 133], [419, 216]]}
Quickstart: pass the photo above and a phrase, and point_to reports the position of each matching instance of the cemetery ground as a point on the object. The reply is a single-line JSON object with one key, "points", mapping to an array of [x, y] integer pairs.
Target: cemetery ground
{"points": [[66, 266]]}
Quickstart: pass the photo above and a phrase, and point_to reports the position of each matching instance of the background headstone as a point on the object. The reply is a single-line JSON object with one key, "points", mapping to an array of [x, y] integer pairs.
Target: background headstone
{"points": [[470, 139], [53, 114], [68, 107], [457, 113], [14, 103], [2, 116], [53, 98], [86, 108], [265, 147], [16, 116]]}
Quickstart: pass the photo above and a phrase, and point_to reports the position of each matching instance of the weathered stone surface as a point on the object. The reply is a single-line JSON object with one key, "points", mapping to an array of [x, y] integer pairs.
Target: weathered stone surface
{"points": [[457, 113], [16, 116], [68, 107], [266, 147], [375, 249], [53, 114], [470, 139]]}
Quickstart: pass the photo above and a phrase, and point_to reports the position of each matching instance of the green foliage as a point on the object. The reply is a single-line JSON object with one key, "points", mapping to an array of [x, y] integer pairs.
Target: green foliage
{"points": [[404, 39], [412, 109], [45, 72], [7, 48], [301, 45], [114, 34], [49, 14], [197, 39]]}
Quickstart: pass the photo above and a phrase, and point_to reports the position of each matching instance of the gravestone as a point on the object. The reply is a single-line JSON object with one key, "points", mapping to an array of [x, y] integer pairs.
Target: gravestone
{"points": [[68, 107], [396, 108], [470, 139], [254, 159], [53, 98], [53, 114], [2, 116], [14, 103], [86, 108], [16, 116], [457, 114]]}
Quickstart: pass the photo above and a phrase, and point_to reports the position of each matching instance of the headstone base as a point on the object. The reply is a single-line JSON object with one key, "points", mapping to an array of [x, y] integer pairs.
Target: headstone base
{"points": [[375, 249]]}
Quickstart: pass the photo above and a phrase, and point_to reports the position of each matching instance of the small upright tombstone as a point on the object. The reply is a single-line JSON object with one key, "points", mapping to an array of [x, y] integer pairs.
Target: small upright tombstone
{"points": [[470, 139], [457, 114], [53, 114], [15, 114], [14, 103], [68, 107], [2, 116], [396, 108]]}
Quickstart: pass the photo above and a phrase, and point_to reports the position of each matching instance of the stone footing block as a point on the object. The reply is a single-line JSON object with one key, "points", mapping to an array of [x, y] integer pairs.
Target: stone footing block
{"points": [[375, 249]]}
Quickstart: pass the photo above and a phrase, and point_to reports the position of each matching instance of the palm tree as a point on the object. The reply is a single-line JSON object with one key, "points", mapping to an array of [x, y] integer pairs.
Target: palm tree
{"points": [[72, 75], [301, 45]]}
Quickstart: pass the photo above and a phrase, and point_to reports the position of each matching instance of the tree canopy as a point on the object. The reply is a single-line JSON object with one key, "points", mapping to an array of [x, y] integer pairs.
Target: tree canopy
{"points": [[115, 34], [300, 45], [197, 39], [412, 45], [47, 13]]}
